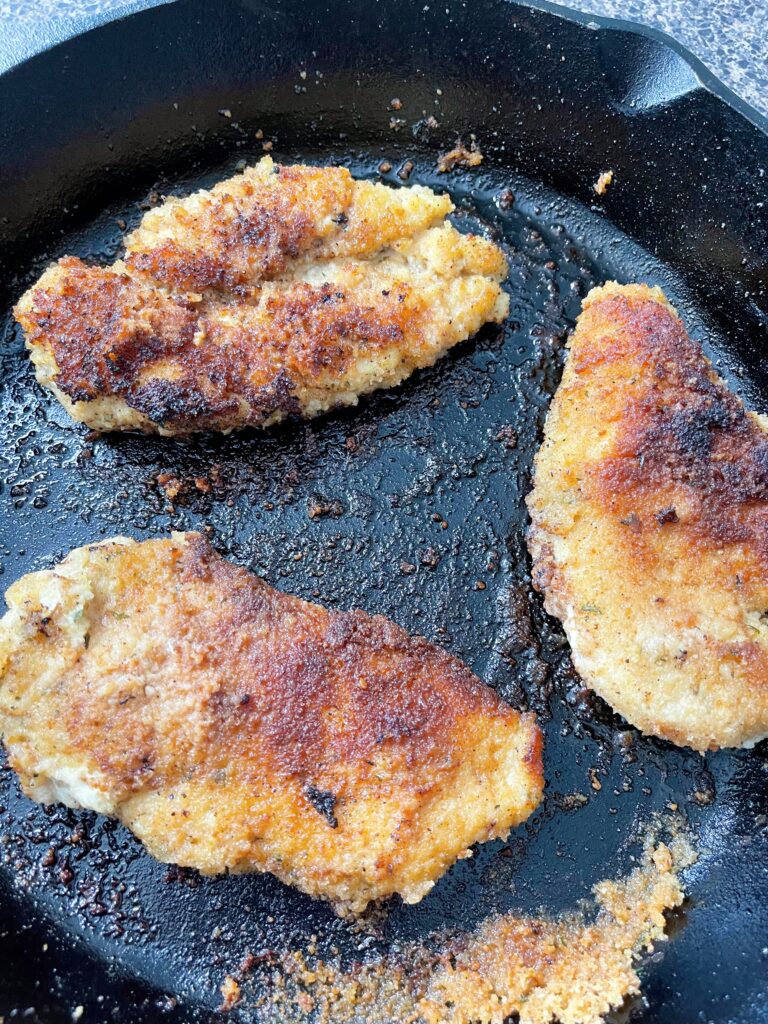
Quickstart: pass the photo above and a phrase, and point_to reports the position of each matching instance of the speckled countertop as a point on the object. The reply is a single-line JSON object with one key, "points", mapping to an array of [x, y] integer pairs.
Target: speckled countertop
{"points": [[729, 36]]}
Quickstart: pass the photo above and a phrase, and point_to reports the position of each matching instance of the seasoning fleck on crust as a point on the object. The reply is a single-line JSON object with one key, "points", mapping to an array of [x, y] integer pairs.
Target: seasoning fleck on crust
{"points": [[282, 291], [649, 528], [236, 728]]}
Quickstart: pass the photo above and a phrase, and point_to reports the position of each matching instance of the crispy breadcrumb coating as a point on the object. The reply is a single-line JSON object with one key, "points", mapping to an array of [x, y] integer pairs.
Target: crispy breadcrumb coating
{"points": [[282, 291], [649, 528], [236, 728]]}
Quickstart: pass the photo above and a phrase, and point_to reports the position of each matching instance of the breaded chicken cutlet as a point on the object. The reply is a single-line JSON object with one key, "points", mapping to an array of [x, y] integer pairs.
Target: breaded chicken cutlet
{"points": [[649, 528], [282, 291], [236, 728]]}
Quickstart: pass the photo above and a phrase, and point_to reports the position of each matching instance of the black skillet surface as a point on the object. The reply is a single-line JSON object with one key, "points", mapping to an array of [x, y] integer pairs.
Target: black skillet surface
{"points": [[428, 484]]}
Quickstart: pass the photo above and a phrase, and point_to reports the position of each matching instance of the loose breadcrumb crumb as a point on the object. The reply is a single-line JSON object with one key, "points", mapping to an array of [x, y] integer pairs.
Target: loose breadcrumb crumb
{"points": [[230, 993], [602, 183], [460, 156]]}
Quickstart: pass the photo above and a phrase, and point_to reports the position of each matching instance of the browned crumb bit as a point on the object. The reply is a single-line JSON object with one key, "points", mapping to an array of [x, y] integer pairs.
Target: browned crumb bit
{"points": [[507, 435], [406, 170], [460, 156], [259, 134], [152, 199], [267, 146], [594, 780], [479, 585], [396, 104], [662, 857], [385, 167], [602, 183], [573, 800], [407, 568], [202, 484], [506, 199], [305, 1002], [120, 223], [230, 993], [170, 484], [430, 558], [318, 507], [703, 797]]}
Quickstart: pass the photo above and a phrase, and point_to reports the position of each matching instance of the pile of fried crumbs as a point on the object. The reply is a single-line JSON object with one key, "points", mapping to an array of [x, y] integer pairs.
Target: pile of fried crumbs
{"points": [[572, 969]]}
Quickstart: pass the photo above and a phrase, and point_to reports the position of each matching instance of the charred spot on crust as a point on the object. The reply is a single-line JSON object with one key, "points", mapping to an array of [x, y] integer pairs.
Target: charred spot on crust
{"points": [[277, 396], [666, 515], [169, 402], [324, 803], [682, 434]]}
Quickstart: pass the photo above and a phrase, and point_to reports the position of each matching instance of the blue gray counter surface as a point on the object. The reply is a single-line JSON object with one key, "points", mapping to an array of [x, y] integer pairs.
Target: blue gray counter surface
{"points": [[729, 36]]}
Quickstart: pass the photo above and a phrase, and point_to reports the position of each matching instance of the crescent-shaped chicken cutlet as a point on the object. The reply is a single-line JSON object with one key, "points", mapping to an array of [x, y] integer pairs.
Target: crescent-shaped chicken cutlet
{"points": [[236, 728], [282, 291], [649, 528]]}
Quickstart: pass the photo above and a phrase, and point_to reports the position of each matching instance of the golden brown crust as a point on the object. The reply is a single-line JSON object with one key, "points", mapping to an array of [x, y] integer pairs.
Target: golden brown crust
{"points": [[283, 291], [681, 433], [236, 727], [650, 525], [193, 365], [242, 231]]}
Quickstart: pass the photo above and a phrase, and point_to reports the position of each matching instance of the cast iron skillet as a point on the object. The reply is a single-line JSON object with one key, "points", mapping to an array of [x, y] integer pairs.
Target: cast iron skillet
{"points": [[91, 126]]}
